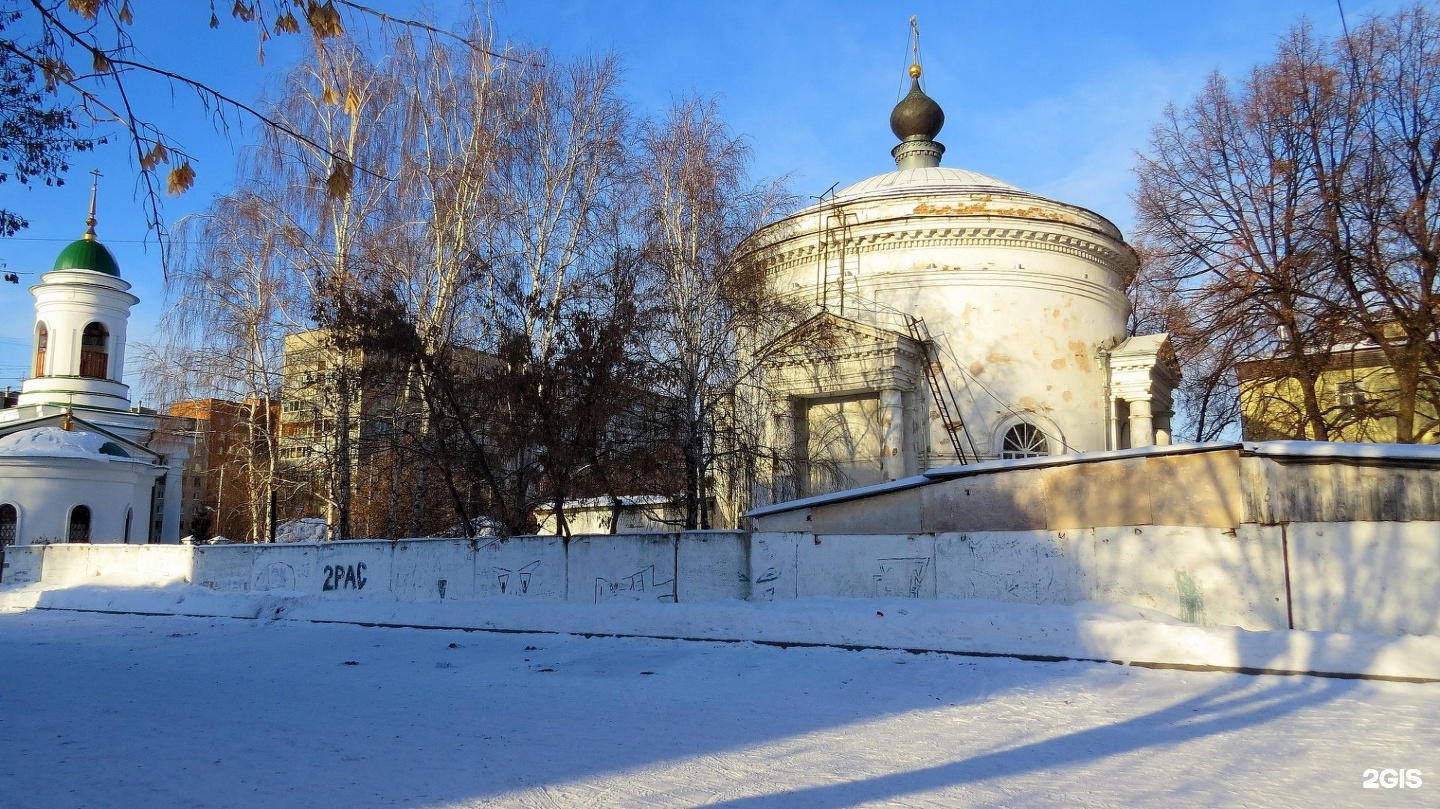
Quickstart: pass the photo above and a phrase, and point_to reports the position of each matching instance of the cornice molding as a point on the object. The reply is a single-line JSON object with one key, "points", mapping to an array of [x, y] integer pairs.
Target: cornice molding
{"points": [[794, 252]]}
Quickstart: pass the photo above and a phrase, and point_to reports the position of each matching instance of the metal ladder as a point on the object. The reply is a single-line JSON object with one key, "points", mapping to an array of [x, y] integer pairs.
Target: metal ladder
{"points": [[940, 390]]}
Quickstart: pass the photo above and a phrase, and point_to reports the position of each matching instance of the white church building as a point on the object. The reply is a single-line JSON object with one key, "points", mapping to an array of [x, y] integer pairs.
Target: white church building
{"points": [[957, 319], [79, 463]]}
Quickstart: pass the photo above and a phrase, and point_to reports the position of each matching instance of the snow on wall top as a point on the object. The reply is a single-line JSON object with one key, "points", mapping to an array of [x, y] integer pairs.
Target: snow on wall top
{"points": [[1425, 453], [54, 442], [1339, 449]]}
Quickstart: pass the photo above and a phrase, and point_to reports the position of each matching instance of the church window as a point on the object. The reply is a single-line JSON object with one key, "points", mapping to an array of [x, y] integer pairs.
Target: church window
{"points": [[79, 524], [42, 344], [1025, 440], [9, 524], [94, 357]]}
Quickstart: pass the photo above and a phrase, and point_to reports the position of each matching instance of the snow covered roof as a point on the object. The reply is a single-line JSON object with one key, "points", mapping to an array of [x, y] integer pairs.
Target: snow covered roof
{"points": [[55, 442]]}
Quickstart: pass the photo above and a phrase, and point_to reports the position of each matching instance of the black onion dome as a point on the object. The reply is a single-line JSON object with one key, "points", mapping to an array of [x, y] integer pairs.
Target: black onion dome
{"points": [[917, 116]]}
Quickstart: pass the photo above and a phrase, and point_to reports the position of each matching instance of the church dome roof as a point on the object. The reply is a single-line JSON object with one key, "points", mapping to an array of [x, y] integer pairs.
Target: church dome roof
{"points": [[917, 116], [87, 254], [926, 181], [959, 192]]}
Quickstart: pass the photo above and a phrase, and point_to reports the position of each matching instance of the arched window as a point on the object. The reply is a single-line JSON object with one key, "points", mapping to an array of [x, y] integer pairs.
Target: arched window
{"points": [[79, 524], [1024, 440], [9, 524], [42, 344], [94, 356]]}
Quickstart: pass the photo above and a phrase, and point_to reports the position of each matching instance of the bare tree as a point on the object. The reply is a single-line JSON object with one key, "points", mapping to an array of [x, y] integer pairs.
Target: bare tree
{"points": [[1252, 206], [84, 51], [233, 300], [1383, 202], [698, 206]]}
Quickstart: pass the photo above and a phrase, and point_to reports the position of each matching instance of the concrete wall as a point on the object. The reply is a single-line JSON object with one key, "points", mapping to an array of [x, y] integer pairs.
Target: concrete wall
{"points": [[1169, 486], [140, 564], [1327, 536], [712, 565], [22, 564], [523, 567], [1366, 577], [1200, 575], [1349, 576]]}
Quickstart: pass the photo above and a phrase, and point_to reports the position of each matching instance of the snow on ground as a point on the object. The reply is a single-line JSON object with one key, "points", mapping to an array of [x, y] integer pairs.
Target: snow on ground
{"points": [[1089, 631], [128, 711]]}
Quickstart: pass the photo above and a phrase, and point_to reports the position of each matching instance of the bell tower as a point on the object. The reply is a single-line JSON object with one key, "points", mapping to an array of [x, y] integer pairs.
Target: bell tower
{"points": [[82, 307]]}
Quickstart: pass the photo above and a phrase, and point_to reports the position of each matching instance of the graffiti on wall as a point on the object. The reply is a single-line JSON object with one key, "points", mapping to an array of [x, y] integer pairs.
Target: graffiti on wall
{"points": [[275, 576], [764, 585], [900, 578], [344, 577], [515, 582], [641, 581]]}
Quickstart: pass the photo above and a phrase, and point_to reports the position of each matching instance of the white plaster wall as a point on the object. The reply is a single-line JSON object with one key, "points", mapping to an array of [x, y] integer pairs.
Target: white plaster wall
{"points": [[1027, 567], [521, 567], [433, 570], [1366, 577], [225, 568], [354, 569], [1023, 291], [1031, 343], [67, 301], [866, 566], [714, 565], [67, 565], [22, 564], [290, 568], [44, 491], [1203, 575], [774, 565], [1357, 577], [1209, 576], [796, 565], [633, 567]]}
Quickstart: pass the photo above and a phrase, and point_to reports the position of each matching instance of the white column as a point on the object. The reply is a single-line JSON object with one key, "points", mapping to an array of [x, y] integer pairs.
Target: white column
{"points": [[1162, 429], [1142, 428], [892, 434]]}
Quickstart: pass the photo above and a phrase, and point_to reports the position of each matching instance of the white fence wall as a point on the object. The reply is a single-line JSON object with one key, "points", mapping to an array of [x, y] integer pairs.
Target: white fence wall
{"points": [[117, 563], [522, 567], [22, 564], [438, 570], [1357, 577], [584, 568], [1366, 577], [1381, 577]]}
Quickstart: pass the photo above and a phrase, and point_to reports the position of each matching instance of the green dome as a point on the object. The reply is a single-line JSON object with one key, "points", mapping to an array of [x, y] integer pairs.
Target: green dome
{"points": [[87, 254]]}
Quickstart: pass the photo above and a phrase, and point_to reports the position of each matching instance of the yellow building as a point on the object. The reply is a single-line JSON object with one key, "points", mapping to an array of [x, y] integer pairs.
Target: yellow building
{"points": [[1357, 397]]}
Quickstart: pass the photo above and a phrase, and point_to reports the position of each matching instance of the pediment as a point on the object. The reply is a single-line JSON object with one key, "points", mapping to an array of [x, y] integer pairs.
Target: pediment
{"points": [[830, 334]]}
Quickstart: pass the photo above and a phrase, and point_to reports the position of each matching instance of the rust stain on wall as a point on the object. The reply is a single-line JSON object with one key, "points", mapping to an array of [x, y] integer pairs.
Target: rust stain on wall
{"points": [[1077, 348]]}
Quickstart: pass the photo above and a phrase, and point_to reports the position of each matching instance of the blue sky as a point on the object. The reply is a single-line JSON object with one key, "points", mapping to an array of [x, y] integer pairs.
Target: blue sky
{"points": [[1055, 97]]}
